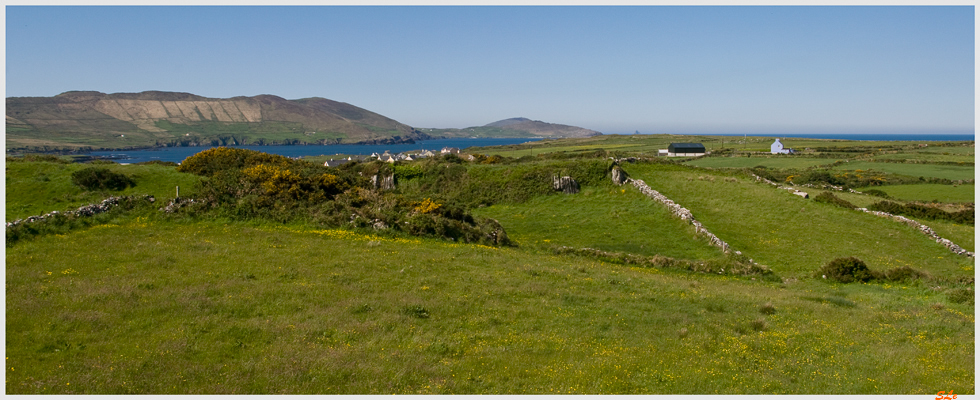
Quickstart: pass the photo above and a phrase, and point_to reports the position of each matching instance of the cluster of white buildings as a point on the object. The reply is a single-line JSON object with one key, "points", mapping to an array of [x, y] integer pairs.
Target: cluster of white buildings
{"points": [[387, 156]]}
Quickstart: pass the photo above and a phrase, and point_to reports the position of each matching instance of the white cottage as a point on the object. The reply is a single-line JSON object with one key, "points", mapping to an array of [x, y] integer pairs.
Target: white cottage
{"points": [[777, 148]]}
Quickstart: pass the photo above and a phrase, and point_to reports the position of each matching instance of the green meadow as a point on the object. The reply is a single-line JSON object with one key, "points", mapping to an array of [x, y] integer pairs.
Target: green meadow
{"points": [[267, 288], [35, 188], [929, 192], [766, 161], [629, 221], [147, 306], [790, 234], [952, 172]]}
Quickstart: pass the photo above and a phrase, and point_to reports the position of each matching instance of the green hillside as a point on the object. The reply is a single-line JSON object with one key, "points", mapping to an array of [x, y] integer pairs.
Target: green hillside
{"points": [[79, 121]]}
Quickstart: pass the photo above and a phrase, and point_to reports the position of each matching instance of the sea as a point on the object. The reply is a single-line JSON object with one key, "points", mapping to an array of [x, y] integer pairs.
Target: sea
{"points": [[178, 154]]}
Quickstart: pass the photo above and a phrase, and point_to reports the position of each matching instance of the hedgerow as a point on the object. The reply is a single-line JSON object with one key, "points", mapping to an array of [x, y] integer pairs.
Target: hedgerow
{"points": [[830, 198], [246, 184], [919, 211]]}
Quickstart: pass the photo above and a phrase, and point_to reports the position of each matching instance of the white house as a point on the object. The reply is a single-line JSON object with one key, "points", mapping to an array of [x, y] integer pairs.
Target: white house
{"points": [[777, 148]]}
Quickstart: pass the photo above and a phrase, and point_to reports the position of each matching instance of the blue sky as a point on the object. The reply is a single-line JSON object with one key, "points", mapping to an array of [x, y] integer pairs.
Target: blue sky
{"points": [[655, 69]]}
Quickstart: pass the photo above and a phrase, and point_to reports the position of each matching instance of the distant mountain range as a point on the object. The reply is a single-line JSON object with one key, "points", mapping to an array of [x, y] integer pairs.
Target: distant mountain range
{"points": [[125, 120], [514, 127], [88, 120]]}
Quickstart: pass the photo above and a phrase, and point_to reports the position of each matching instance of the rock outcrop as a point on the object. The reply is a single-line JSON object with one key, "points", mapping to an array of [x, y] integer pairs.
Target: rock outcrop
{"points": [[619, 176], [565, 184], [384, 182]]}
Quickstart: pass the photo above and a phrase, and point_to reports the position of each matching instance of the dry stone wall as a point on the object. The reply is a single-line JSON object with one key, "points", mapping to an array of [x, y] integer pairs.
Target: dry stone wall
{"points": [[913, 223], [83, 211], [924, 229], [681, 213]]}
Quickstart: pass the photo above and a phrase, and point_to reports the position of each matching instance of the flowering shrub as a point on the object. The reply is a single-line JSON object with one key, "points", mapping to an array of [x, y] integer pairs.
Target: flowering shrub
{"points": [[427, 206], [248, 184], [211, 161]]}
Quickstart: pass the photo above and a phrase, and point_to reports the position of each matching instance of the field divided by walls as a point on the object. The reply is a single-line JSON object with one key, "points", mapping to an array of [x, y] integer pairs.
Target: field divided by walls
{"points": [[790, 234]]}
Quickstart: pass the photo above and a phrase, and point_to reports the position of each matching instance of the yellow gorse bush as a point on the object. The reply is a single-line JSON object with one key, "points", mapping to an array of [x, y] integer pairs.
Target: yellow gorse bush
{"points": [[273, 179], [212, 160], [427, 206], [277, 181]]}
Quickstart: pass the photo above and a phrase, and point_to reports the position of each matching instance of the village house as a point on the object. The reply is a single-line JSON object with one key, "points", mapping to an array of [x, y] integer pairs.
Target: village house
{"points": [[341, 161], [450, 150], [685, 150], [777, 148]]}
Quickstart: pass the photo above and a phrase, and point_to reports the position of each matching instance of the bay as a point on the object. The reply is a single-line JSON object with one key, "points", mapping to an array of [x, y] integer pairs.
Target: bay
{"points": [[178, 154]]}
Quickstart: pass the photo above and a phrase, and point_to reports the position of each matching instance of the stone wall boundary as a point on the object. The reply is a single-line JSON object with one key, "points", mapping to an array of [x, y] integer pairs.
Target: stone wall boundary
{"points": [[682, 213], [83, 211], [925, 230]]}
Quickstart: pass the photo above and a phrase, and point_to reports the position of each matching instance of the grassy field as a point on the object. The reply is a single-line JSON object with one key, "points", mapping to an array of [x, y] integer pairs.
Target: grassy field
{"points": [[148, 306], [766, 161], [963, 154], [35, 188], [792, 235], [648, 145], [929, 192], [953, 172], [628, 221]]}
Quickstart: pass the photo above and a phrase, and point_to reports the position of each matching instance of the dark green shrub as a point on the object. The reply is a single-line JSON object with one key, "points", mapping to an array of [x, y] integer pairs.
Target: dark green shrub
{"points": [[830, 198], [158, 162], [452, 158], [820, 176], [406, 172], [846, 270], [963, 295], [96, 178], [905, 273], [877, 193]]}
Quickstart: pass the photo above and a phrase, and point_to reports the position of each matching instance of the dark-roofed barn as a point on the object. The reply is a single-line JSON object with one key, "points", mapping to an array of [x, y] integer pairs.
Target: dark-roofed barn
{"points": [[685, 149]]}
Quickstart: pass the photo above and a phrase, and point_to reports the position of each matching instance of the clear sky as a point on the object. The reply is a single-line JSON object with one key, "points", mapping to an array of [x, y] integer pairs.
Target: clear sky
{"points": [[655, 69]]}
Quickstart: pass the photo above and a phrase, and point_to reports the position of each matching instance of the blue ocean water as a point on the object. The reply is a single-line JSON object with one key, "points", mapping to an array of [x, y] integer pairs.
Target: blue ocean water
{"points": [[178, 154]]}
